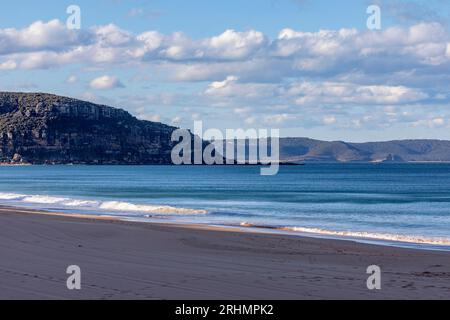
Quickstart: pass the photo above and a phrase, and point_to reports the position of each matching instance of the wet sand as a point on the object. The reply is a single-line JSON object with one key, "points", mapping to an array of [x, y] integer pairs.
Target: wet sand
{"points": [[127, 260]]}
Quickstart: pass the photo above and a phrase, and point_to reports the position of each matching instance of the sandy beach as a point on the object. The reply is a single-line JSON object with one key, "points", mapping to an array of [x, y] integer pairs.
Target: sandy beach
{"points": [[126, 260]]}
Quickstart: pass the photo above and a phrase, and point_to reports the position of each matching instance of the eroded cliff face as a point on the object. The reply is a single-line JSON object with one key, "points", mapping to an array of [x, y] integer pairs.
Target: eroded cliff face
{"points": [[41, 128]]}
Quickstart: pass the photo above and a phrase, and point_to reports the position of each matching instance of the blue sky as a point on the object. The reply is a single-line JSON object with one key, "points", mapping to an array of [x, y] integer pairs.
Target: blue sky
{"points": [[198, 18], [310, 68]]}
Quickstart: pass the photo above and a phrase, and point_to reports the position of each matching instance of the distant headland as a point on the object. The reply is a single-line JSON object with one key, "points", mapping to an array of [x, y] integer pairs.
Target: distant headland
{"points": [[40, 128]]}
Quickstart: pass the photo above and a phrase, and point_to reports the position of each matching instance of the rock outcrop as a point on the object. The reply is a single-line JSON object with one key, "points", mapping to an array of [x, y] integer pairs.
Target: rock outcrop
{"points": [[42, 128]]}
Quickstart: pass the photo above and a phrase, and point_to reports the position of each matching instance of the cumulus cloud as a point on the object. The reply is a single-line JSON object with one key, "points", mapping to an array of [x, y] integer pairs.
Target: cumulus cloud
{"points": [[232, 45], [106, 82], [317, 94], [347, 93], [328, 71], [292, 53], [40, 36], [8, 65], [222, 84]]}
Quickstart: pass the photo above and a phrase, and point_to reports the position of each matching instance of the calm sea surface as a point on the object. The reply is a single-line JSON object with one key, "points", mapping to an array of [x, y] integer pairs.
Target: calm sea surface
{"points": [[406, 202]]}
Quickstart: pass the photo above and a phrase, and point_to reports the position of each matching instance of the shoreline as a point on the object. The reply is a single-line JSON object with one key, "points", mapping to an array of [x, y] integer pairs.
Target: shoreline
{"points": [[284, 162], [131, 260], [389, 240]]}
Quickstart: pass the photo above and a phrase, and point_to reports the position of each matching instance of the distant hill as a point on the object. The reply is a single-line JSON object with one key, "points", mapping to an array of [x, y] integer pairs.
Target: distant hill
{"points": [[42, 128], [308, 150]]}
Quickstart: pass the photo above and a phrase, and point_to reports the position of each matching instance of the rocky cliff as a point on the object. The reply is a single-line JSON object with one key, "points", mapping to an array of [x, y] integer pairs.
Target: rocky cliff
{"points": [[42, 128]]}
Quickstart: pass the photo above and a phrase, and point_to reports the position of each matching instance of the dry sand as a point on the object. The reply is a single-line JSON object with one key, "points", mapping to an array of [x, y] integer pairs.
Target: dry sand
{"points": [[125, 260]]}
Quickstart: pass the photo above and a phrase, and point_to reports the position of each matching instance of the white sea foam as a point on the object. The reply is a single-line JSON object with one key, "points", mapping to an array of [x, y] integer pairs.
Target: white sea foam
{"points": [[115, 206], [246, 224], [44, 199], [372, 236], [125, 206], [11, 196], [81, 203]]}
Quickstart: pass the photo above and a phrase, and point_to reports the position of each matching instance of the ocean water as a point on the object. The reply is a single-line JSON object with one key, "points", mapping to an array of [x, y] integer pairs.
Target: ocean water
{"points": [[407, 204]]}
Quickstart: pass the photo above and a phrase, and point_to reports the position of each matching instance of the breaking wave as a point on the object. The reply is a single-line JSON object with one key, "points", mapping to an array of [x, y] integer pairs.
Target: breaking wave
{"points": [[372, 236], [355, 234], [115, 206], [125, 206]]}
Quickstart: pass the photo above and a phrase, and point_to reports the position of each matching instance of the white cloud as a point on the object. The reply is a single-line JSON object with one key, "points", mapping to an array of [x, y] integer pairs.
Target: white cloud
{"points": [[8, 65], [438, 121], [278, 119], [230, 89], [222, 84], [52, 36], [112, 36], [311, 94], [232, 45], [243, 54], [347, 93], [106, 82], [430, 123], [328, 120], [72, 79], [334, 73]]}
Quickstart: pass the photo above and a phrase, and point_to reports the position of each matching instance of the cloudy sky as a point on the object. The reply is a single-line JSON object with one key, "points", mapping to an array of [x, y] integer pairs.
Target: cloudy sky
{"points": [[309, 67]]}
